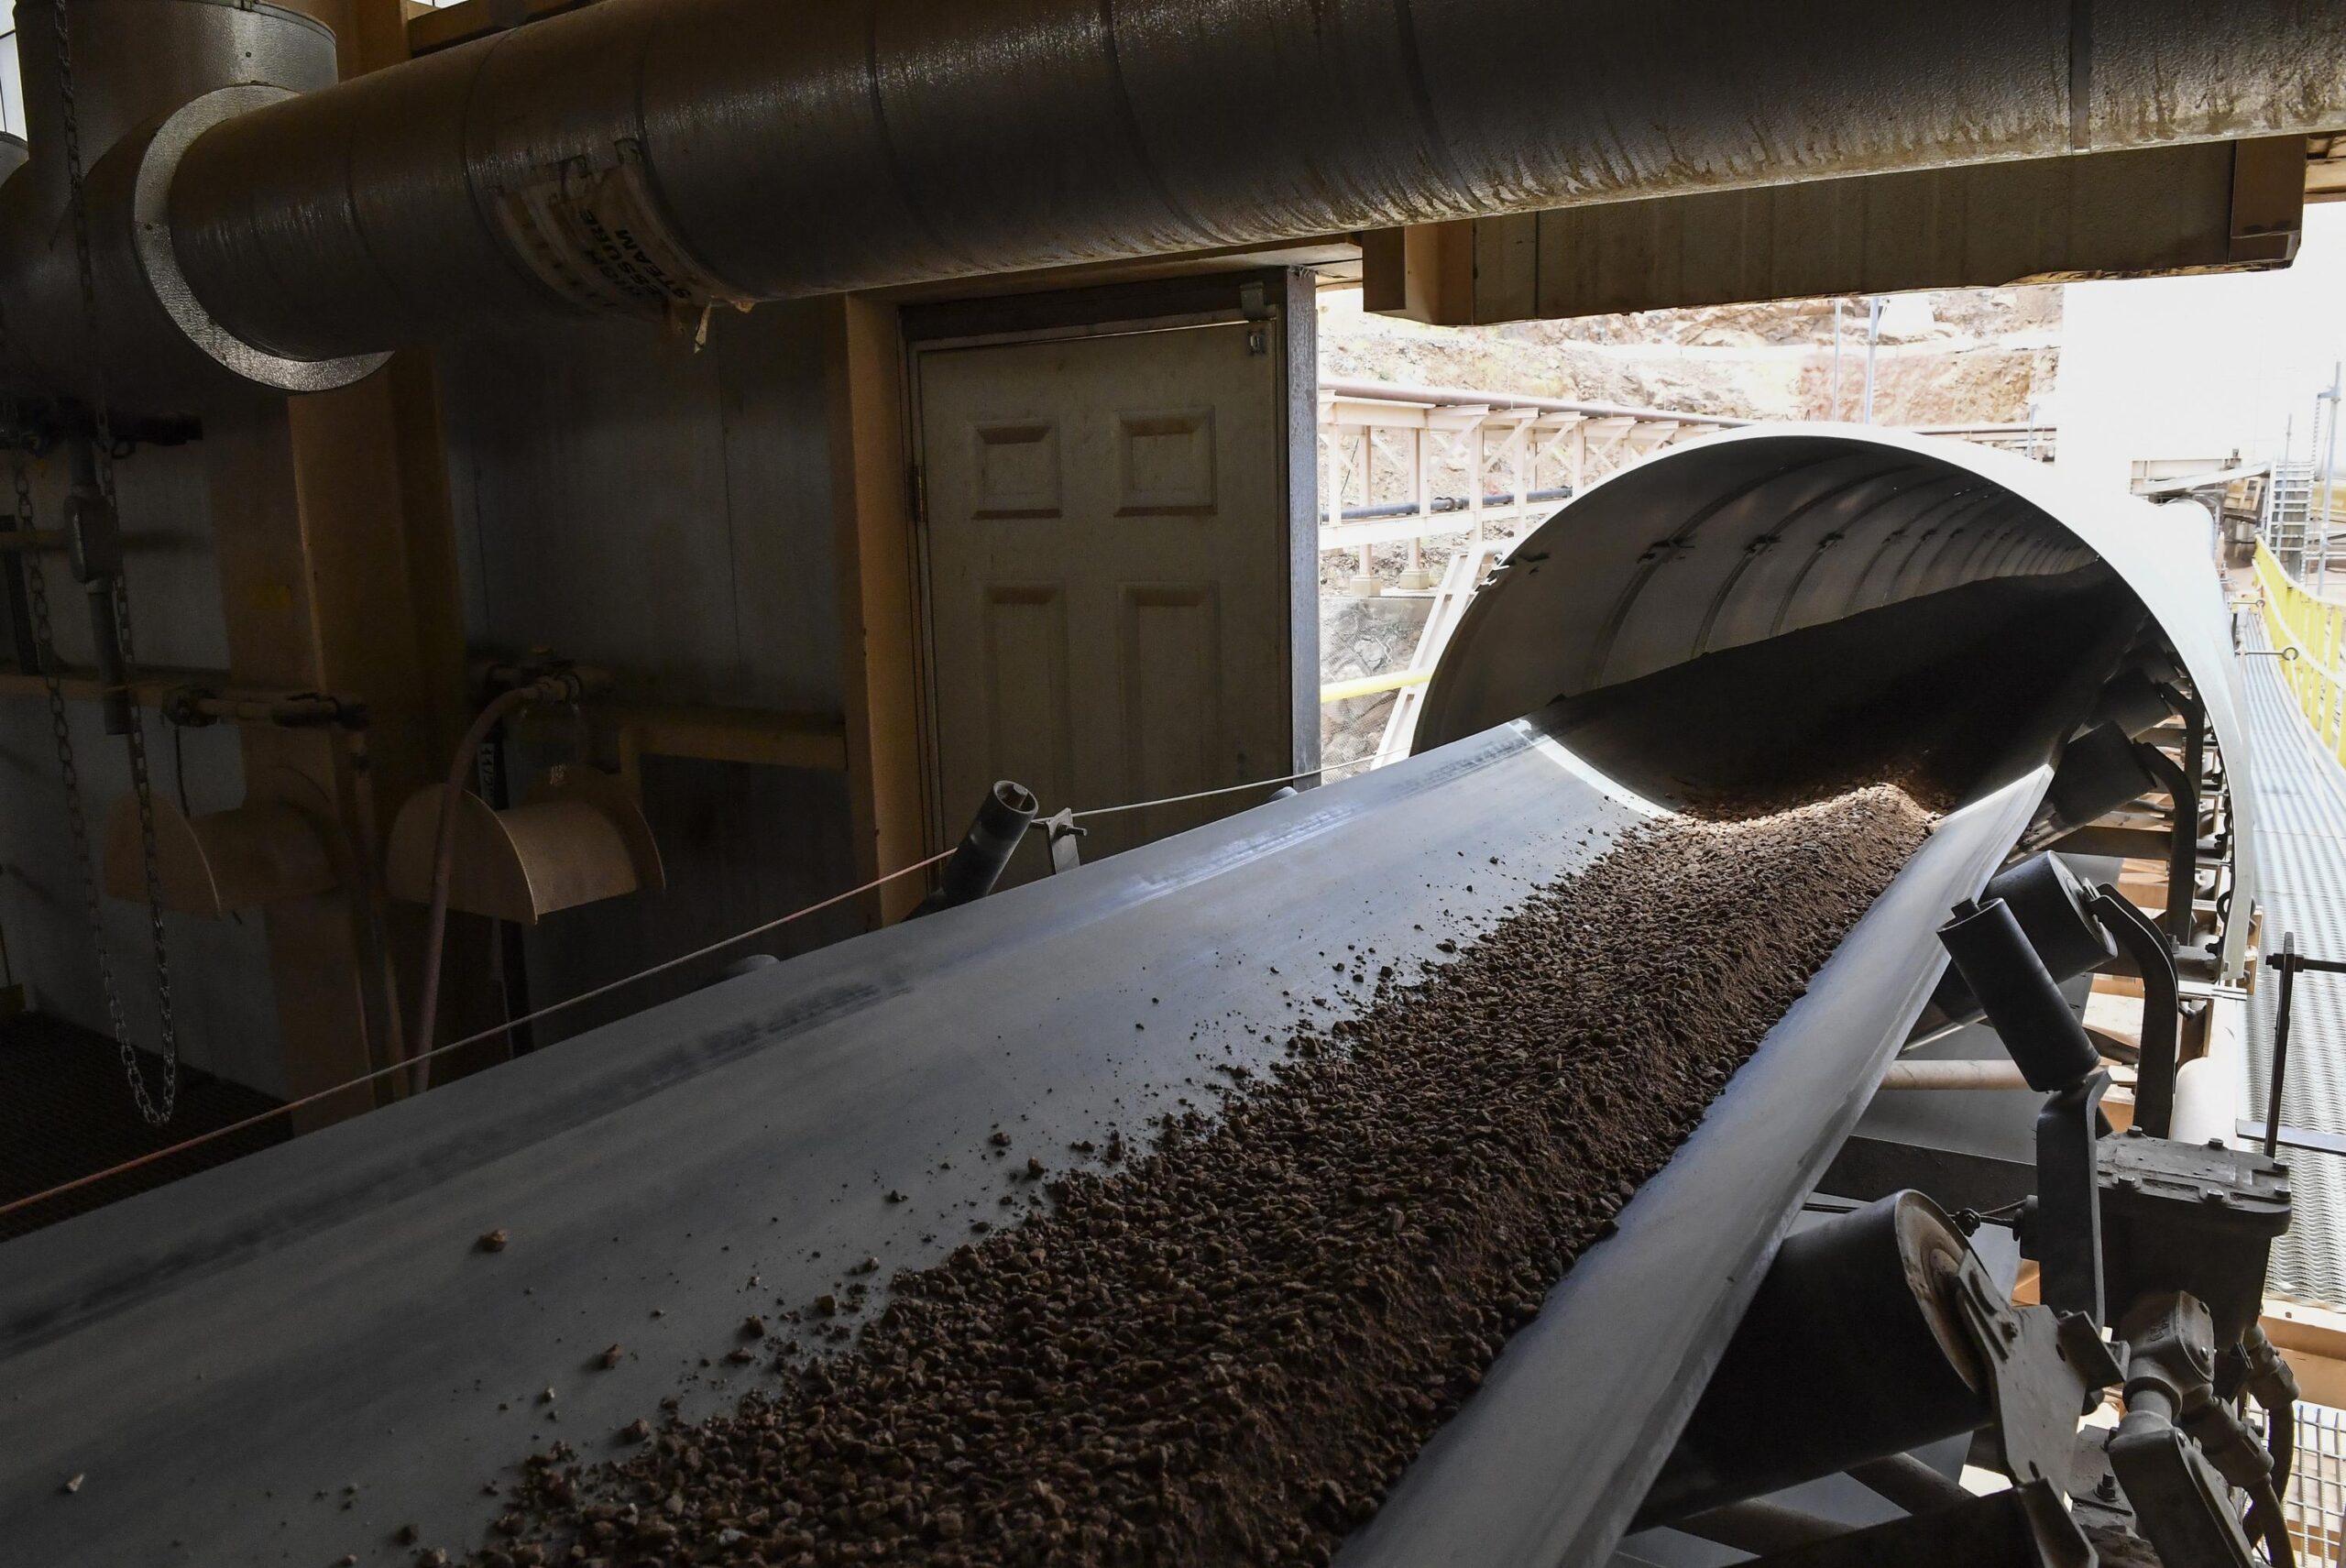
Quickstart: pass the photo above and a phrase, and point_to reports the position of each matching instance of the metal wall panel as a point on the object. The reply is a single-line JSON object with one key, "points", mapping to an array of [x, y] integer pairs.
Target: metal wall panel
{"points": [[221, 990], [632, 503], [628, 502]]}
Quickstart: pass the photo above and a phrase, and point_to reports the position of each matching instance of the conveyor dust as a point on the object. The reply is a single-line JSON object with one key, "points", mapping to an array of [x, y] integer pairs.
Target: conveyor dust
{"points": [[1227, 1350]]}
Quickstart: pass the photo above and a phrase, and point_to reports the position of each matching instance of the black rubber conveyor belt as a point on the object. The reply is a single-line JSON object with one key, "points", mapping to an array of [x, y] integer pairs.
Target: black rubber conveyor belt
{"points": [[292, 1357]]}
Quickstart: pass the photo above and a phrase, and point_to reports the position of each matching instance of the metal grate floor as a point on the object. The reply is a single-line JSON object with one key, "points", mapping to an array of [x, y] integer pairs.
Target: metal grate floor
{"points": [[64, 1113], [2301, 797], [2318, 1486]]}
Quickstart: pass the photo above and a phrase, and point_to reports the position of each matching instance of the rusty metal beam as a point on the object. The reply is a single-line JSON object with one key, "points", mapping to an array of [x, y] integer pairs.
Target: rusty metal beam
{"points": [[266, 571], [629, 732]]}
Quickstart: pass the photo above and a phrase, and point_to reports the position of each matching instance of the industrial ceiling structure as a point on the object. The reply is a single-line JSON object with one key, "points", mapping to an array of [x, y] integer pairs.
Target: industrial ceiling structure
{"points": [[571, 504]]}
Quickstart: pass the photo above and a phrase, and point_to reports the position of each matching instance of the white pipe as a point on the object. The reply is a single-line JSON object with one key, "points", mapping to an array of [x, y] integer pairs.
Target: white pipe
{"points": [[2203, 1105], [2211, 1090], [1954, 1075]]}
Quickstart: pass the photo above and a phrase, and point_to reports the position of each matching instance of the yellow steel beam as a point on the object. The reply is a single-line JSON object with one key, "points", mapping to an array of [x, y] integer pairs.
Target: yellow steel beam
{"points": [[879, 616], [84, 685]]}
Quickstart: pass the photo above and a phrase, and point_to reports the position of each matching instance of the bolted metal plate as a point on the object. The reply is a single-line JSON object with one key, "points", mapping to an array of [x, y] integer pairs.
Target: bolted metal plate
{"points": [[2143, 1174]]}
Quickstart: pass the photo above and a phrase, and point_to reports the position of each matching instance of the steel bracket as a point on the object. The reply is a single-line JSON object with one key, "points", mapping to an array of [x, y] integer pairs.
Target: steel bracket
{"points": [[2162, 1015], [2067, 1226], [2043, 1370], [1065, 837]]}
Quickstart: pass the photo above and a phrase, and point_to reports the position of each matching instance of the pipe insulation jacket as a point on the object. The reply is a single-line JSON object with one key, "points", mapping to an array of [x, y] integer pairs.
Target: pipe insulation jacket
{"points": [[655, 156]]}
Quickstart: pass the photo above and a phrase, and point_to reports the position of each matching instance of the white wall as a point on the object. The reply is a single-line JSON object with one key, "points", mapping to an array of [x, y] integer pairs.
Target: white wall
{"points": [[2197, 366]]}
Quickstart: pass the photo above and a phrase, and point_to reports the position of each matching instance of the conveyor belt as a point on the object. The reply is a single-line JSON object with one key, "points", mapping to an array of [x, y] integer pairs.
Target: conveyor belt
{"points": [[295, 1357], [224, 1358], [2301, 803]]}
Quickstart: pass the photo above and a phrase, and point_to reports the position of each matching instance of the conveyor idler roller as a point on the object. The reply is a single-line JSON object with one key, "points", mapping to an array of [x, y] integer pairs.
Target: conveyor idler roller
{"points": [[2018, 994]]}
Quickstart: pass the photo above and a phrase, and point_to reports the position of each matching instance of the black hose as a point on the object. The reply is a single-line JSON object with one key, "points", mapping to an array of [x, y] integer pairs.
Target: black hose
{"points": [[2265, 1511], [2281, 1442], [2275, 1388]]}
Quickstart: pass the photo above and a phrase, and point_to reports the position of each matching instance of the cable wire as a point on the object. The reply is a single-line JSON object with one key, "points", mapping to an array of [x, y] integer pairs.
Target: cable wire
{"points": [[287, 1109], [274, 1111], [1238, 789]]}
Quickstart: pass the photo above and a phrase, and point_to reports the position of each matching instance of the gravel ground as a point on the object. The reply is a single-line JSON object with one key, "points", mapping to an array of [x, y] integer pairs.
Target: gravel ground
{"points": [[1223, 1349]]}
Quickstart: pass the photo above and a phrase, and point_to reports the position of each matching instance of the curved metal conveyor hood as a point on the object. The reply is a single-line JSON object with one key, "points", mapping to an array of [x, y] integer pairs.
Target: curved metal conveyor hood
{"points": [[1747, 571], [221, 1359]]}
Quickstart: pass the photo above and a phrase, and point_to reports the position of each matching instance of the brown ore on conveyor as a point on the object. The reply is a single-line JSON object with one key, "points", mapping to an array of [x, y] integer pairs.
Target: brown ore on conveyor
{"points": [[1225, 1351]]}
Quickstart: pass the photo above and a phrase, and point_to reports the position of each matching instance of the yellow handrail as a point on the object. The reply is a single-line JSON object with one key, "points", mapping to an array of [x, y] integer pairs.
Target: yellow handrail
{"points": [[1372, 685], [2307, 630]]}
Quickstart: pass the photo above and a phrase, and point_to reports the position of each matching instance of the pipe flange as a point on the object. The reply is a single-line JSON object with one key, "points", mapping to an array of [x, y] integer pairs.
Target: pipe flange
{"points": [[151, 233]]}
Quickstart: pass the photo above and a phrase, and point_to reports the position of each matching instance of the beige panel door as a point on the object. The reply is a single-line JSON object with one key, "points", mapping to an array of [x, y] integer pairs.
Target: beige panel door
{"points": [[1108, 549]]}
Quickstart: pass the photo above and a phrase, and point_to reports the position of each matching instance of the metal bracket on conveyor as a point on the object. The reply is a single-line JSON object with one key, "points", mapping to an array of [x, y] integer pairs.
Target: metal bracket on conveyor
{"points": [[2035, 925], [2044, 1369], [985, 850], [2162, 1006], [1065, 837], [2026, 1009]]}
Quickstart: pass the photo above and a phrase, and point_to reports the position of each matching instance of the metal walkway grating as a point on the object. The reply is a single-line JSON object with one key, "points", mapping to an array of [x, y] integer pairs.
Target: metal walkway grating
{"points": [[64, 1113], [2317, 1497], [2301, 799]]}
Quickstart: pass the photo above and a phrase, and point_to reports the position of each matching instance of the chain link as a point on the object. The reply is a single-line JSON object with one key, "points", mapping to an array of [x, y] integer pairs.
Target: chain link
{"points": [[68, 773], [156, 1111]]}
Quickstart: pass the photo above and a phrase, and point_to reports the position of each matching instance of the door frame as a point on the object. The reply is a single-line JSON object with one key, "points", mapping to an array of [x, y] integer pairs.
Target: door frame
{"points": [[1285, 301]]}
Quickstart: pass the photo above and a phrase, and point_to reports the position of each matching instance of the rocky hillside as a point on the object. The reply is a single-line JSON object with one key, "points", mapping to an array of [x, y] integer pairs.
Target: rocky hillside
{"points": [[1955, 357], [1979, 357]]}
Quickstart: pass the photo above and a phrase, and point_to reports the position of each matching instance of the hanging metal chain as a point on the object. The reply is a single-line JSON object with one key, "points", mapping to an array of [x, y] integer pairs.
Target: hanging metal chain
{"points": [[154, 1110], [36, 588]]}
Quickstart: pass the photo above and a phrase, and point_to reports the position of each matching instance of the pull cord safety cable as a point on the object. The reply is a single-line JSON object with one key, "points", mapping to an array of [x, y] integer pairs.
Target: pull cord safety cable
{"points": [[275, 1112], [1240, 789]]}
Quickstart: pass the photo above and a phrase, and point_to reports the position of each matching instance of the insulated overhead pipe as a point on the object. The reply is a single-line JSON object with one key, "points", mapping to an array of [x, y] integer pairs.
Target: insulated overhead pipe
{"points": [[655, 157], [146, 77]]}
